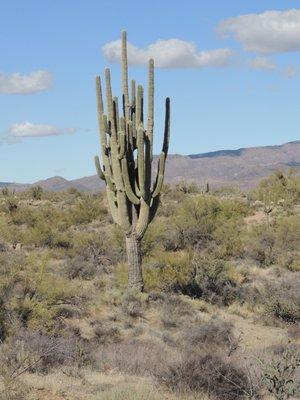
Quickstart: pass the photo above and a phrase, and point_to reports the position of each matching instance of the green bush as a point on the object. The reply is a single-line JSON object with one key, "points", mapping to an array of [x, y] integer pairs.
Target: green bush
{"points": [[36, 192], [279, 187], [168, 271], [278, 243], [33, 295]]}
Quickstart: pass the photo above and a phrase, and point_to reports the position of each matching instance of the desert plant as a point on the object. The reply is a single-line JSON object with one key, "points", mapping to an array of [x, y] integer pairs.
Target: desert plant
{"points": [[5, 191], [36, 192], [133, 201], [213, 333], [136, 357], [207, 373], [280, 375]]}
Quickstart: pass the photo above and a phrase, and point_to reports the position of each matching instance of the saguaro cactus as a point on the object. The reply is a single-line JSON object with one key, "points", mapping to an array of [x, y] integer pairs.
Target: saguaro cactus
{"points": [[127, 153]]}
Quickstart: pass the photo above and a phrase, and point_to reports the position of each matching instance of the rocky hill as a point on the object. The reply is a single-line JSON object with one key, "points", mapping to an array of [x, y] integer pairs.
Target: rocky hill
{"points": [[243, 167]]}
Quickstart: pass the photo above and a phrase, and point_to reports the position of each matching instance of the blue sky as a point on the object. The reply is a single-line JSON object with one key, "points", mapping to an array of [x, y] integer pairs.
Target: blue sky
{"points": [[237, 86]]}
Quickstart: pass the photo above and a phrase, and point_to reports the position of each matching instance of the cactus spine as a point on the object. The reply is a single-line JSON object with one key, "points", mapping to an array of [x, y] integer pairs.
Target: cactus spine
{"points": [[127, 154]]}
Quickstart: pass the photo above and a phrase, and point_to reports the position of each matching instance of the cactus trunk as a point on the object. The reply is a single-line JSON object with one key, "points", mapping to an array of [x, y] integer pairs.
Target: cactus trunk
{"points": [[127, 155], [134, 257]]}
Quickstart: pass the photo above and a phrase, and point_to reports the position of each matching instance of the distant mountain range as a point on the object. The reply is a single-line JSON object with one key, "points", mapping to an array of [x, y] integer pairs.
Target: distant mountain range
{"points": [[243, 168]]}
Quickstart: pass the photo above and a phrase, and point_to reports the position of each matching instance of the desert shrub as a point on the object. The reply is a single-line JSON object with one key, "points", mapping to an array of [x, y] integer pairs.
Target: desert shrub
{"points": [[294, 332], [131, 391], [280, 374], [288, 242], [168, 271], [45, 235], [228, 238], [96, 248], [36, 192], [11, 204], [86, 209], [260, 244], [105, 332], [5, 191], [78, 267], [173, 311], [198, 220], [216, 280], [195, 222], [24, 215], [155, 238], [283, 309], [34, 295], [132, 304], [277, 243], [134, 357], [196, 275], [279, 187], [207, 373], [188, 187], [35, 352], [213, 333], [281, 299], [227, 191]]}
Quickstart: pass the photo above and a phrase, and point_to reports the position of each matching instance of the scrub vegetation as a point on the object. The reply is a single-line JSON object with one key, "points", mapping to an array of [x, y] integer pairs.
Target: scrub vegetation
{"points": [[218, 318]]}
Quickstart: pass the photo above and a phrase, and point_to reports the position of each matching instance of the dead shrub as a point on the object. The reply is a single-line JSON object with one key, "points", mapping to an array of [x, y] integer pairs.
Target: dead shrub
{"points": [[207, 373], [31, 351], [173, 311], [132, 303], [134, 357], [78, 267], [106, 332], [213, 333]]}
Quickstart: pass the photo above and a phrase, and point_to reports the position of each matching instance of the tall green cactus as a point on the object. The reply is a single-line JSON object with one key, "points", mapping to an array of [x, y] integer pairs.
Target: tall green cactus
{"points": [[127, 154]]}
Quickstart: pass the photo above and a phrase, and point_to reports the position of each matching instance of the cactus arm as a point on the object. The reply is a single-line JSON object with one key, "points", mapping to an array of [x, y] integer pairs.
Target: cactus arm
{"points": [[103, 175], [129, 192], [99, 96], [160, 175], [111, 198], [122, 145], [136, 186], [130, 135], [124, 217], [98, 168], [150, 116], [109, 98], [141, 160], [116, 114], [132, 99], [139, 106], [122, 139], [103, 128], [165, 148], [153, 208], [143, 219], [125, 75]]}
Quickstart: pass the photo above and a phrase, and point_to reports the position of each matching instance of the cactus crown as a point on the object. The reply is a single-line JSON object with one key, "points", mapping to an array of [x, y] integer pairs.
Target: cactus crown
{"points": [[127, 150]]}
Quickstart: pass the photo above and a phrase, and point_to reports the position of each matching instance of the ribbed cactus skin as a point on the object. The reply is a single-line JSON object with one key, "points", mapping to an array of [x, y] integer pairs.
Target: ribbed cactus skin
{"points": [[127, 154]]}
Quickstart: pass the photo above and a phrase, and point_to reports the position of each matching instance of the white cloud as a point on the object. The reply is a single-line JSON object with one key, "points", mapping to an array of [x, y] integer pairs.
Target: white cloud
{"points": [[171, 53], [263, 63], [19, 131], [290, 71], [269, 32], [17, 83]]}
